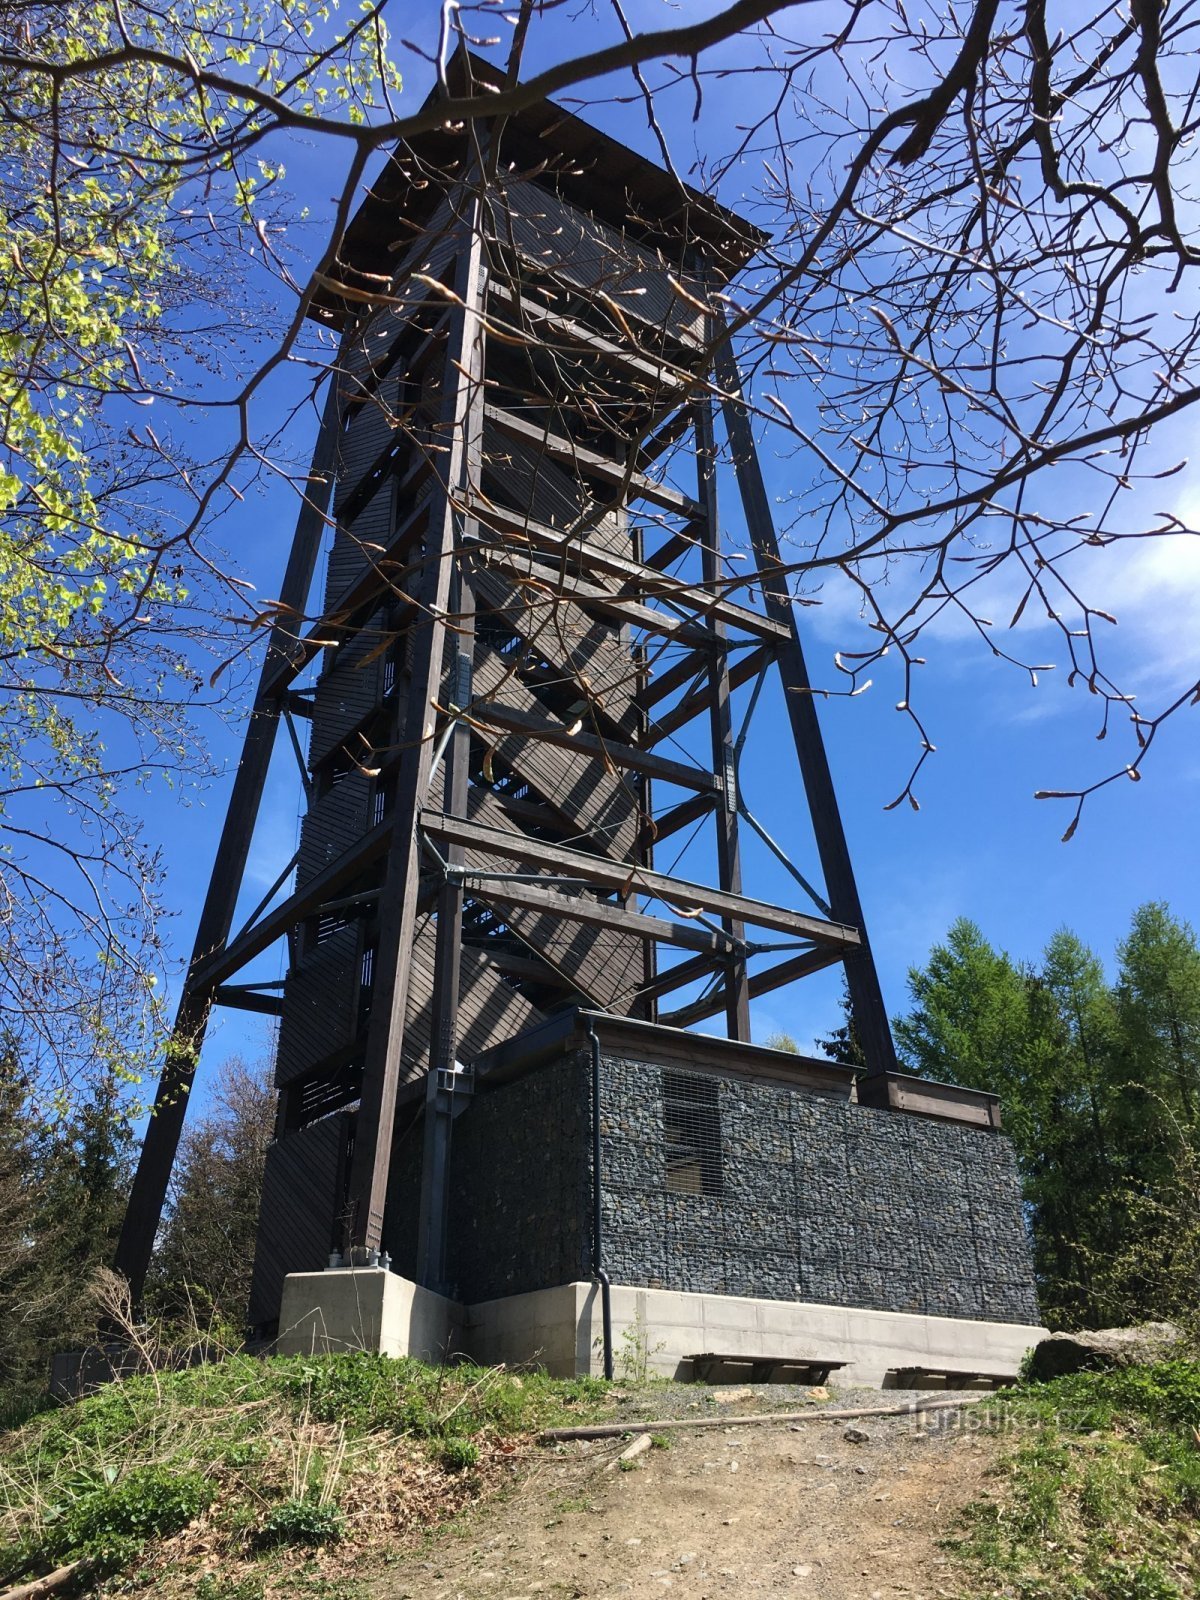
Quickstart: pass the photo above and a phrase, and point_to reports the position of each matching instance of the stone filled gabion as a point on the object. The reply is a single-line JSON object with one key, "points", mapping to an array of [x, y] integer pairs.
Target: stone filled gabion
{"points": [[818, 1199]]}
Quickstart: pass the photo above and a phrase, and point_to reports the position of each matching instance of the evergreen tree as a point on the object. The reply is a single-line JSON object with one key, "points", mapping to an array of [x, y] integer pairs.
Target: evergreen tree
{"points": [[63, 1184], [19, 1192], [981, 1021], [1154, 1092], [206, 1254], [85, 1161], [843, 1045], [971, 1019], [1158, 999], [1099, 1086]]}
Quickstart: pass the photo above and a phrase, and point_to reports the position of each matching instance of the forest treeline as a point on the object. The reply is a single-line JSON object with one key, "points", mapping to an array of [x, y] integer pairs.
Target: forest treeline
{"points": [[1100, 1089], [63, 1185], [1099, 1080]]}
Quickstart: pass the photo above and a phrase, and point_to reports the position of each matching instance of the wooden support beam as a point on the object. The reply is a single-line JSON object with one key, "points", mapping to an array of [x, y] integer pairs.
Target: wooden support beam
{"points": [[676, 977], [537, 814], [526, 968], [620, 877], [667, 434], [701, 700], [681, 816], [462, 388], [512, 719], [677, 545], [632, 485], [240, 999], [622, 608], [433, 1218], [862, 979], [661, 684], [300, 705], [729, 860], [597, 913], [640, 581], [760, 983], [315, 893], [157, 1157], [365, 592], [648, 368]]}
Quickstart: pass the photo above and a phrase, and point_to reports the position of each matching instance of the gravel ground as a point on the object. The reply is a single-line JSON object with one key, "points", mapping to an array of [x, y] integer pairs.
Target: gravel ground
{"points": [[821, 1509]]}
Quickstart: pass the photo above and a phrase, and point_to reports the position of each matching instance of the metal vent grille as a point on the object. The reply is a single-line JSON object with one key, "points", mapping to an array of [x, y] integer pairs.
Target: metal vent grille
{"points": [[692, 1133]]}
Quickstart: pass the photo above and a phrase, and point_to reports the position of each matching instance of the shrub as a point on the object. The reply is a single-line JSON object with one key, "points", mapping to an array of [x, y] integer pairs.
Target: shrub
{"points": [[112, 1523], [456, 1455], [302, 1521]]}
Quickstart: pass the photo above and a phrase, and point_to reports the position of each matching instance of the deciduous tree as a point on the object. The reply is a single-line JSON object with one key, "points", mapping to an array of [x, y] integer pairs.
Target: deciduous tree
{"points": [[967, 333]]}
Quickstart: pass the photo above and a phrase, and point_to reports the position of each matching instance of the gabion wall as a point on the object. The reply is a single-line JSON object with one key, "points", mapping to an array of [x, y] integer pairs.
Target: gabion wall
{"points": [[818, 1200], [806, 1198]]}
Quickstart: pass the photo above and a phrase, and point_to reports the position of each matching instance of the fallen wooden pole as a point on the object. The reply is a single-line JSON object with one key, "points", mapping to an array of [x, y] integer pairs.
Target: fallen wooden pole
{"points": [[48, 1584], [613, 1430]]}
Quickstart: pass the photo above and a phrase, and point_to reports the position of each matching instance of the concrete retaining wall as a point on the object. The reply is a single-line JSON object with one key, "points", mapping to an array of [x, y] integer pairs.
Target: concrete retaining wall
{"points": [[664, 1328], [654, 1330]]}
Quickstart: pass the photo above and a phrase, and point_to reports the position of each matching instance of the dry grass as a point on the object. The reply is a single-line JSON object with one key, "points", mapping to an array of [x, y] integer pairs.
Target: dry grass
{"points": [[391, 1494], [254, 1469]]}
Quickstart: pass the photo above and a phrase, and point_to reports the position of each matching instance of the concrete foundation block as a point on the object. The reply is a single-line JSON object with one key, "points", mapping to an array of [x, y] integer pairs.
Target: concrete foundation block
{"points": [[366, 1308], [548, 1327]]}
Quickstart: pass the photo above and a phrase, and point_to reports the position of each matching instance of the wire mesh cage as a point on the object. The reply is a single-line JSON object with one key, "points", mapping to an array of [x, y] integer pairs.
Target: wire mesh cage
{"points": [[692, 1132]]}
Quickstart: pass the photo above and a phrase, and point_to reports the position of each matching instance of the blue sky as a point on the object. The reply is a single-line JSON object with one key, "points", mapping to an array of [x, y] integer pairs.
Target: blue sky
{"points": [[980, 845]]}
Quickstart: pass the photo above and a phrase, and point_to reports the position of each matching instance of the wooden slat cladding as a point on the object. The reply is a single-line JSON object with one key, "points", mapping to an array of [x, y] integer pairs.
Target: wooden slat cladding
{"points": [[607, 968], [601, 805], [596, 666], [349, 692], [320, 1005], [521, 478], [370, 349], [558, 239], [332, 824], [321, 1009], [349, 557], [364, 542], [300, 1200], [489, 1011], [370, 430]]}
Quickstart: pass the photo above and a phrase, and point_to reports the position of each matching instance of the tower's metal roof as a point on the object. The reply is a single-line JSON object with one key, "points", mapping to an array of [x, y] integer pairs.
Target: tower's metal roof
{"points": [[588, 167]]}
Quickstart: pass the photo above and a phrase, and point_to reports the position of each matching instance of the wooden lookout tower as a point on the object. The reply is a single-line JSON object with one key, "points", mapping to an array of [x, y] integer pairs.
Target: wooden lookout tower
{"points": [[527, 677]]}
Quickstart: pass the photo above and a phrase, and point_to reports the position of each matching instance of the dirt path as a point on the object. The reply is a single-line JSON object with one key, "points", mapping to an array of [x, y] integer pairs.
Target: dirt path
{"points": [[797, 1510]]}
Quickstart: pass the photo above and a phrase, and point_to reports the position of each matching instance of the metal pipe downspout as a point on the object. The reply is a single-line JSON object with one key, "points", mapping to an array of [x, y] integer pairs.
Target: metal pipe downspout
{"points": [[598, 1271]]}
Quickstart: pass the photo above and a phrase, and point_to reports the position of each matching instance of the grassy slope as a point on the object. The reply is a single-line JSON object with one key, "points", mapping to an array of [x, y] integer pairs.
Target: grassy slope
{"points": [[244, 1466], [1098, 1491], [247, 1477]]}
